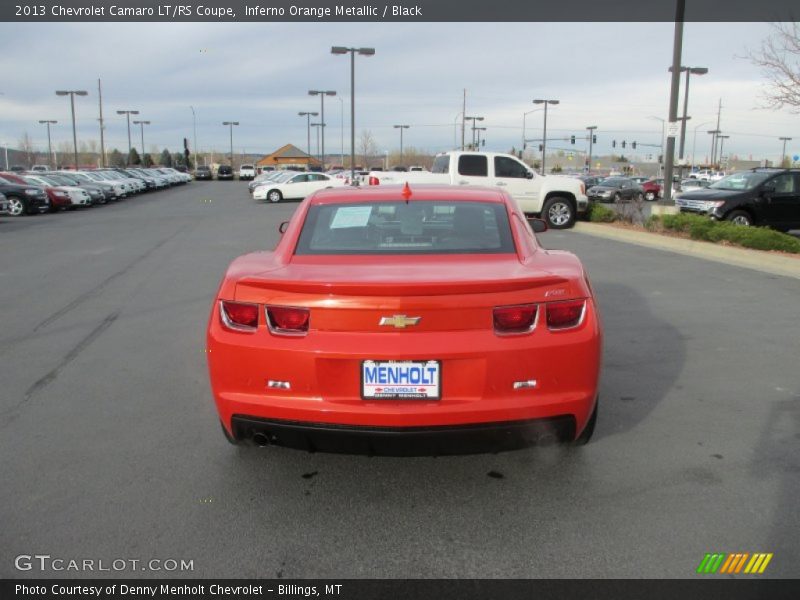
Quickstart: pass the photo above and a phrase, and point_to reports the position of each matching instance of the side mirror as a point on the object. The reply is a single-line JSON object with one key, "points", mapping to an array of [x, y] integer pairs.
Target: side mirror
{"points": [[529, 174], [538, 225], [283, 227]]}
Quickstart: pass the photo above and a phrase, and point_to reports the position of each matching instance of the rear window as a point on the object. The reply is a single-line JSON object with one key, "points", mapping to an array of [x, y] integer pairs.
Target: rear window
{"points": [[442, 227]]}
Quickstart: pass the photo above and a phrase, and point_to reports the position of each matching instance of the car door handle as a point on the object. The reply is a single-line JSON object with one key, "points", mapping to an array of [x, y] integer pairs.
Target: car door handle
{"points": [[501, 183], [463, 182]]}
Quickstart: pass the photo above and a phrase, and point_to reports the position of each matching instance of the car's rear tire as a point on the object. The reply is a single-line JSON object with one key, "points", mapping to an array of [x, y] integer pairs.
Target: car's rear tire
{"points": [[740, 217], [617, 198], [274, 196], [16, 206], [649, 196], [558, 213], [588, 431]]}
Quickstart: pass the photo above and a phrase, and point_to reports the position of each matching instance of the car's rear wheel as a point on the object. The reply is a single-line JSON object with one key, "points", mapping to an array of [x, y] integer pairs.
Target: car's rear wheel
{"points": [[559, 213], [274, 196], [740, 217], [16, 206], [617, 198], [649, 196], [588, 431]]}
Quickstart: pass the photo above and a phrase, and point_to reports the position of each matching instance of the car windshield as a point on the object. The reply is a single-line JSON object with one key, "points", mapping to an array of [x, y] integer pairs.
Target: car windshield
{"points": [[37, 181], [741, 181], [614, 182], [60, 179], [430, 227]]}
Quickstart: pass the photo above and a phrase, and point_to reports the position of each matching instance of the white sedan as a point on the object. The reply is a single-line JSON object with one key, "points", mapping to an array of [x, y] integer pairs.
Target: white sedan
{"points": [[295, 185]]}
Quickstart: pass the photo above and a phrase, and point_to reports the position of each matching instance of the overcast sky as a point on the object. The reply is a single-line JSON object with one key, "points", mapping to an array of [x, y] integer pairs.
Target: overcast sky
{"points": [[610, 75]]}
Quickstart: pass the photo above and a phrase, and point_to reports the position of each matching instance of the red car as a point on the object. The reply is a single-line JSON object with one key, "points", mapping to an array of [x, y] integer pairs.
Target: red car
{"points": [[403, 321], [651, 189]]}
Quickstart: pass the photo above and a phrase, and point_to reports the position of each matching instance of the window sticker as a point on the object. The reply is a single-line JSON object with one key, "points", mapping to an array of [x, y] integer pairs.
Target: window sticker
{"points": [[351, 216]]}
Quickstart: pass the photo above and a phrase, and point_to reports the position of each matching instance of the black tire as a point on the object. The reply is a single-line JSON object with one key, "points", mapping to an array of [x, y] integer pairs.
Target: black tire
{"points": [[617, 198], [559, 213], [588, 431], [274, 196], [17, 207], [740, 217], [231, 440], [649, 196]]}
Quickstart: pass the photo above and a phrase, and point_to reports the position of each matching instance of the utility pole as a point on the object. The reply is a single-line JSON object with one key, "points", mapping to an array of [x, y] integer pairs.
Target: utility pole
{"points": [[591, 130], [783, 139], [102, 126], [463, 118], [714, 136], [680, 6]]}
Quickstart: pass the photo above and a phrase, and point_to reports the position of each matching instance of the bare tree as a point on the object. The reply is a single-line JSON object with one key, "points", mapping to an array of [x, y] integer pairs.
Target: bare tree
{"points": [[366, 147], [779, 59], [26, 147]]}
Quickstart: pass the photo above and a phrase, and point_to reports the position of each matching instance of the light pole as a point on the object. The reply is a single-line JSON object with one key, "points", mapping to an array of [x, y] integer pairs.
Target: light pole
{"points": [[455, 131], [591, 129], [714, 133], [341, 130], [694, 141], [478, 142], [317, 127], [230, 125], [72, 94], [141, 125], [128, 114], [524, 115], [362, 52], [401, 127], [308, 116], [544, 132], [783, 139], [660, 162], [688, 71], [722, 139], [194, 130], [473, 119], [322, 94], [50, 145]]}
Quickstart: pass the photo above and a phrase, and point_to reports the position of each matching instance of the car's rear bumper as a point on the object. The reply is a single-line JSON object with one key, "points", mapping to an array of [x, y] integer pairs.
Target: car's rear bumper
{"points": [[404, 441]]}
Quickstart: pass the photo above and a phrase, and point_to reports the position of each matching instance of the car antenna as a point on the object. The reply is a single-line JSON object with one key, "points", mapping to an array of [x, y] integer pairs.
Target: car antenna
{"points": [[406, 193]]}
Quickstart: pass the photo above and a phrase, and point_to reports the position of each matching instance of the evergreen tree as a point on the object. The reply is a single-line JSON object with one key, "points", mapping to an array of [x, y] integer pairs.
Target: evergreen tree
{"points": [[166, 158]]}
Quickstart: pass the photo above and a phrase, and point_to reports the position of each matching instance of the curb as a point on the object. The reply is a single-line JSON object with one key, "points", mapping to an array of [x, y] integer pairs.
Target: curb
{"points": [[739, 257]]}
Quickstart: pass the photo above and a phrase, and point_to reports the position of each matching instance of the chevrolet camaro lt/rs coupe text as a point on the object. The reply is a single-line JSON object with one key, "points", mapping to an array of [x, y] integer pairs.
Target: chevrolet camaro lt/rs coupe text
{"points": [[401, 321]]}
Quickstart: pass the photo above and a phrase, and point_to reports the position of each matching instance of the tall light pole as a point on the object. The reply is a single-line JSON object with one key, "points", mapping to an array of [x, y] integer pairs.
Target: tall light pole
{"points": [[689, 71], [714, 133], [50, 144], [591, 129], [478, 137], [544, 132], [128, 114], [230, 125], [72, 94], [694, 141], [473, 119], [661, 161], [362, 52], [524, 115], [194, 130], [401, 127], [317, 127], [341, 131], [308, 116], [141, 125], [322, 94], [721, 139], [783, 139]]}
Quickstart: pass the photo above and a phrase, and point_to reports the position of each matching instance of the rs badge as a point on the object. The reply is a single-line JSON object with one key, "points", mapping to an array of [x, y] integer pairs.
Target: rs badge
{"points": [[399, 321]]}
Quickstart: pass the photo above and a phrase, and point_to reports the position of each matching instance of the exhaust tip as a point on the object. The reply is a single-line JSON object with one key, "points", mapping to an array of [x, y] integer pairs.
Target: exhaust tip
{"points": [[260, 439]]}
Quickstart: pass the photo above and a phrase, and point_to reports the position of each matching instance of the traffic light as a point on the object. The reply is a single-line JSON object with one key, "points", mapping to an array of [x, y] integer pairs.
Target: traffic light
{"points": [[633, 145], [623, 143], [614, 144], [572, 140], [594, 139]]}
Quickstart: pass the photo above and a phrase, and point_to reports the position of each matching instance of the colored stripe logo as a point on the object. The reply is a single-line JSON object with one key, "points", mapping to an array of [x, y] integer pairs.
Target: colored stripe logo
{"points": [[735, 563]]}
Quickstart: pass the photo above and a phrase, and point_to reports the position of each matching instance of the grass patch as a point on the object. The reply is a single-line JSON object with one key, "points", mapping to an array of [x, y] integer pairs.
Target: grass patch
{"points": [[702, 228], [601, 214]]}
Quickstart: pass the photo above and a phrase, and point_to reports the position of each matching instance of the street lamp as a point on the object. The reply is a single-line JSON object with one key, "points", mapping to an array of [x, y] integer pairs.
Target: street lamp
{"points": [[544, 132], [783, 139], [401, 127], [194, 130], [478, 143], [694, 141], [660, 162], [524, 115], [322, 94], [128, 114], [141, 125], [362, 52], [341, 130], [308, 116], [721, 139], [230, 124], [317, 127], [72, 94], [689, 71], [591, 129], [473, 119], [714, 133], [50, 145]]}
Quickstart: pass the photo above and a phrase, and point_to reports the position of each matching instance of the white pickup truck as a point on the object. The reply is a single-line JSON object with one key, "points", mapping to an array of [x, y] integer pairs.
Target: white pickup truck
{"points": [[557, 199]]}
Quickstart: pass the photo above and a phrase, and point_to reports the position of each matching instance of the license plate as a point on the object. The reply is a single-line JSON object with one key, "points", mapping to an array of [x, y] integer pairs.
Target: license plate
{"points": [[401, 380]]}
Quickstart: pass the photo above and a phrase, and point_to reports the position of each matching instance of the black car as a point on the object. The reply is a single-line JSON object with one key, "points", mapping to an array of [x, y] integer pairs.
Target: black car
{"points": [[203, 172], [758, 197], [589, 181], [615, 189], [24, 199], [224, 172]]}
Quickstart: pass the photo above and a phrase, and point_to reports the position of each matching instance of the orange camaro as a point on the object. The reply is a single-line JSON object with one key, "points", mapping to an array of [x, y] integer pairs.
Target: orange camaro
{"points": [[403, 321]]}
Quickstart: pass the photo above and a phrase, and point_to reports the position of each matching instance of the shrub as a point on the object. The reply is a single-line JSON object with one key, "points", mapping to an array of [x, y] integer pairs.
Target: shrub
{"points": [[601, 214]]}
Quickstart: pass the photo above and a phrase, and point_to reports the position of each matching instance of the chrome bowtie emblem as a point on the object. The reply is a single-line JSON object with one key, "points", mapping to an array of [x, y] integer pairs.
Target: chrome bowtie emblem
{"points": [[399, 321]]}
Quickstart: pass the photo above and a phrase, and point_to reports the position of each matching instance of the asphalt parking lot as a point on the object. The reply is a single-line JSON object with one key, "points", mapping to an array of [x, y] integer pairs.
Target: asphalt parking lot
{"points": [[112, 450]]}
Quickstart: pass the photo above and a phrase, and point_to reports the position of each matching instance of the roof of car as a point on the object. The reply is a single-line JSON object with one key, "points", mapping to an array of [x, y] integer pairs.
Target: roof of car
{"points": [[394, 193]]}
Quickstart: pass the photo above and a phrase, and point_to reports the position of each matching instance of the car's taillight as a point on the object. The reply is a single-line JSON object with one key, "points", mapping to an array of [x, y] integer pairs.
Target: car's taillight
{"points": [[374, 181], [288, 320], [240, 316], [565, 315], [514, 319]]}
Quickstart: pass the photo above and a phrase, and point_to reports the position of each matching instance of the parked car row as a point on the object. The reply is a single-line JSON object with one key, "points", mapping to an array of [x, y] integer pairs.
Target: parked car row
{"points": [[34, 192], [275, 186]]}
